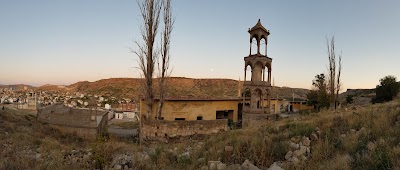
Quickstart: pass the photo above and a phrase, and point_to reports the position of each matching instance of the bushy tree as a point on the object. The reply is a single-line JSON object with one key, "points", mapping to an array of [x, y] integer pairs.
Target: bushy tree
{"points": [[319, 97], [387, 90], [246, 93], [349, 99]]}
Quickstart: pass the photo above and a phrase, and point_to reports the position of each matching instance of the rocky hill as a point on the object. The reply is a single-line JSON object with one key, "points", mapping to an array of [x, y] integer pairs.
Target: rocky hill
{"points": [[177, 87], [49, 87], [360, 96]]}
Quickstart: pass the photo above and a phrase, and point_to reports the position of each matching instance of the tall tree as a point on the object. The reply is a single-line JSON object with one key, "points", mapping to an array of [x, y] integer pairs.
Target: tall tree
{"points": [[150, 15], [334, 81], [164, 69]]}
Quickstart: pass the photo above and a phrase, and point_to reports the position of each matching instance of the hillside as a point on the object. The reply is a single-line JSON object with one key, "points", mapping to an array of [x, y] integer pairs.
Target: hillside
{"points": [[178, 87], [49, 87], [360, 138], [360, 96], [16, 86]]}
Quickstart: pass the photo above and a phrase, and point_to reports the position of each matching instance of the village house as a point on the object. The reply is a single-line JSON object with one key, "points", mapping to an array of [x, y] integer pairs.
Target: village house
{"points": [[195, 109], [296, 106], [207, 108], [87, 123]]}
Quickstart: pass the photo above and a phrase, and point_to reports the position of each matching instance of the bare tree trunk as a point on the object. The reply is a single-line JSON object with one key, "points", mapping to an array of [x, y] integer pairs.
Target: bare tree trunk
{"points": [[332, 70], [150, 13], [165, 57], [338, 82]]}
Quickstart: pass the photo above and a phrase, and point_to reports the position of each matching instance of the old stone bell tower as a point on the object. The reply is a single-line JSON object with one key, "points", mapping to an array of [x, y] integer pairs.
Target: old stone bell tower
{"points": [[258, 88]]}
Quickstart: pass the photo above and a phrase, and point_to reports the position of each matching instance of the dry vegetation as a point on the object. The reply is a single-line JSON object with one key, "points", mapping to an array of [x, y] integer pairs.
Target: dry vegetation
{"points": [[28, 144], [341, 143]]}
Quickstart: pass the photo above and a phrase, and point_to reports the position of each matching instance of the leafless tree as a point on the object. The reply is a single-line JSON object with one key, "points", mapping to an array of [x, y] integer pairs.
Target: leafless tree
{"points": [[147, 55], [332, 69], [338, 81], [334, 82], [164, 69]]}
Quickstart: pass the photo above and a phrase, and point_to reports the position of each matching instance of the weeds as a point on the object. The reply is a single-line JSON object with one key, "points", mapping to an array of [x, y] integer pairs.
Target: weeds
{"points": [[300, 129]]}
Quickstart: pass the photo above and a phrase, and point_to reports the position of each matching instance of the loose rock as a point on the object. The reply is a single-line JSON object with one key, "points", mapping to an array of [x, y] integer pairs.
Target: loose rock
{"points": [[234, 167], [221, 166], [294, 145], [295, 160], [275, 166], [314, 137], [362, 131], [306, 141], [253, 167], [288, 155], [228, 148]]}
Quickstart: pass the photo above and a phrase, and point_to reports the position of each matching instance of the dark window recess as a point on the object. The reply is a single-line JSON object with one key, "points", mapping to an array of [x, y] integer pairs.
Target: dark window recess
{"points": [[223, 114], [199, 117], [179, 118]]}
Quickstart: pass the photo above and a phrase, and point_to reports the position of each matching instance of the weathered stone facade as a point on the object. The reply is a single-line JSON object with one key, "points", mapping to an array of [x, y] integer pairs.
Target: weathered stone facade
{"points": [[194, 109], [161, 130]]}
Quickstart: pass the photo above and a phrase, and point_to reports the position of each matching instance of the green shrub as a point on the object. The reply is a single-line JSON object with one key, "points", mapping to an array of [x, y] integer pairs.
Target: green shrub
{"points": [[340, 125], [381, 159], [300, 129], [349, 99], [279, 147]]}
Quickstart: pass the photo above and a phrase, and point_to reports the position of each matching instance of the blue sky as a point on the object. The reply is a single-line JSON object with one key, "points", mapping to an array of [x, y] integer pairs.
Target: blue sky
{"points": [[65, 41]]}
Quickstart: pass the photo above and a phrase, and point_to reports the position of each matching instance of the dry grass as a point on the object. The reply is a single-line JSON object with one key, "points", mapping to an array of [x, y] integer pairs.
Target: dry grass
{"points": [[377, 148]]}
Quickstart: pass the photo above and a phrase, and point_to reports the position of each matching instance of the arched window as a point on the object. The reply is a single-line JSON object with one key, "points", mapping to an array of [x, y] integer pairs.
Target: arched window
{"points": [[263, 46], [248, 72], [253, 45]]}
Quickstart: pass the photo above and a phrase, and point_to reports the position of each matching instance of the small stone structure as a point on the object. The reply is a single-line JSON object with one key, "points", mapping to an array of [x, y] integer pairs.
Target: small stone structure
{"points": [[82, 122], [162, 130]]}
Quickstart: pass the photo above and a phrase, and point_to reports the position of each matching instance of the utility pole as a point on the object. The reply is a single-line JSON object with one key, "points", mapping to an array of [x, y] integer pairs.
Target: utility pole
{"points": [[293, 96]]}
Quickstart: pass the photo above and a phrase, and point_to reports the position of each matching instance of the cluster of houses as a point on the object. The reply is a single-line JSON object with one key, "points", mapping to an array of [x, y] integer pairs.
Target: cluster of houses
{"points": [[25, 96]]}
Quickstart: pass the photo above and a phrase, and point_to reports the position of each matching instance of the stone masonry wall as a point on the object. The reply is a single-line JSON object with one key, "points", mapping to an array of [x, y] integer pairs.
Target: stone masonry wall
{"points": [[82, 122], [163, 130], [256, 119], [84, 132]]}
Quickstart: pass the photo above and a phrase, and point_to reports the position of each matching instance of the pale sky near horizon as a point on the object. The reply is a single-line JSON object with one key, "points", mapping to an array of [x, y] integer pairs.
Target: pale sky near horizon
{"points": [[62, 42]]}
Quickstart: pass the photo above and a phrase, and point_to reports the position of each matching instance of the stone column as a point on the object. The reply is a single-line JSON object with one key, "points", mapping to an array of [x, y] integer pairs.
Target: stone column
{"points": [[263, 73], [250, 45]]}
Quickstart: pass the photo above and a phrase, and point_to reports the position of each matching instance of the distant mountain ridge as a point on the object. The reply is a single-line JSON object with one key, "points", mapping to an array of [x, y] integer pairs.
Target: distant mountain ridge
{"points": [[17, 86], [177, 87]]}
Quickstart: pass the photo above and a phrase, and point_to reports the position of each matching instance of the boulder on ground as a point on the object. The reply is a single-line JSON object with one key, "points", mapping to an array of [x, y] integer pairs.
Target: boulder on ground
{"points": [[275, 166]]}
